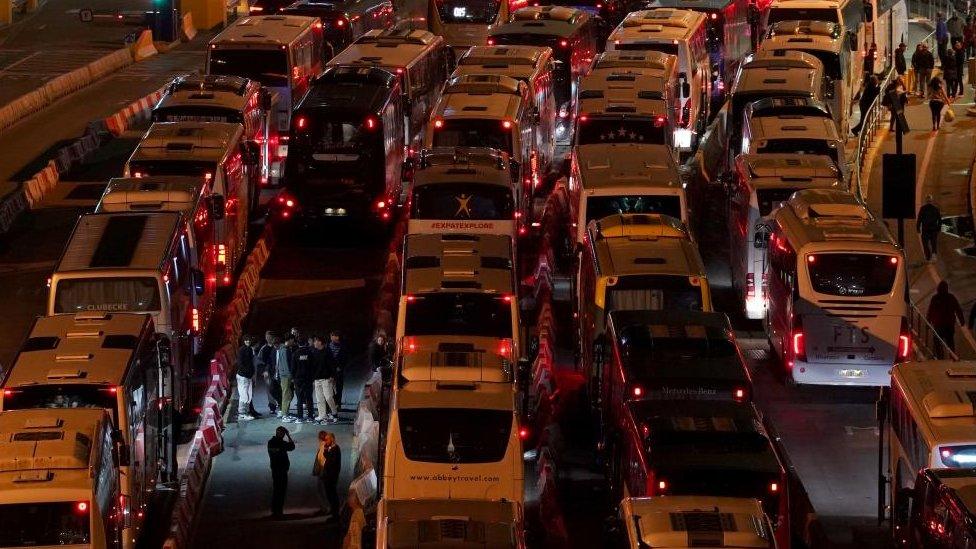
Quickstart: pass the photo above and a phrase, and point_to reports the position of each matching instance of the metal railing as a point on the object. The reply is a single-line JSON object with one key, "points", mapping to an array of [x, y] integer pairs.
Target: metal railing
{"points": [[872, 121], [928, 343]]}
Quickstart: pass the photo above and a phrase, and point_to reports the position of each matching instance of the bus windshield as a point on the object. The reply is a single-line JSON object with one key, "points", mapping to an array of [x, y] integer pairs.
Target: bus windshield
{"points": [[770, 199], [598, 207], [474, 133], [270, 67], [461, 201], [459, 314], [468, 11], [455, 435], [69, 395], [852, 274], [197, 113], [622, 130], [654, 293], [802, 14], [145, 168], [663, 47], [129, 294], [43, 524]]}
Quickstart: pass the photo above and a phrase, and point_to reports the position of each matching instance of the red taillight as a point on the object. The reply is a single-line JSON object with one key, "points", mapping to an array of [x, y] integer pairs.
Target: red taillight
{"points": [[81, 507], [8, 392], [438, 124], [904, 341], [380, 204], [773, 488], [505, 348], [523, 433], [112, 390], [583, 118], [318, 24], [750, 285], [507, 298], [371, 123], [491, 42], [340, 22], [637, 391], [659, 121], [301, 122], [290, 203], [410, 345], [411, 298], [507, 124], [893, 260], [798, 341], [714, 16], [195, 319], [739, 394], [811, 259], [563, 43]]}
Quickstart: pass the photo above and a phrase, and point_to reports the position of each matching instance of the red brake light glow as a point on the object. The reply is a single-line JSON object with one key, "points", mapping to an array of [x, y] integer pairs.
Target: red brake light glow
{"points": [[340, 22], [811, 259], [491, 41], [371, 123], [8, 392], [773, 487], [739, 394], [507, 124], [81, 507], [505, 348], [410, 345], [894, 260], [798, 344], [637, 391], [301, 122], [563, 43], [438, 123], [523, 433]]}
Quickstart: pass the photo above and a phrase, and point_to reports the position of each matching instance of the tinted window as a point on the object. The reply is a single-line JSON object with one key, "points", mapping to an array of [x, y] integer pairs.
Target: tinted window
{"points": [[803, 14], [799, 146], [68, 395], [770, 199], [32, 524], [640, 340], [129, 294], [468, 11], [191, 113], [330, 137], [598, 130], [461, 201], [671, 49], [171, 167], [598, 207], [852, 274], [461, 314], [474, 133], [454, 435], [654, 293], [270, 67]]}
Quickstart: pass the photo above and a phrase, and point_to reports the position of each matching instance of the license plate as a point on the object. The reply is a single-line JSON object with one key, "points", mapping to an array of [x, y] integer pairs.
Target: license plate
{"points": [[852, 373]]}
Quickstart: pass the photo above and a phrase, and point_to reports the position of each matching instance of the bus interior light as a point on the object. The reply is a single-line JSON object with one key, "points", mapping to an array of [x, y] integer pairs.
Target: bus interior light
{"points": [[662, 485], [410, 345], [507, 124]]}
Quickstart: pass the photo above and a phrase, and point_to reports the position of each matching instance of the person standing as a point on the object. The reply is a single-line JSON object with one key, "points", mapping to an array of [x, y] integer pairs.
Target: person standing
{"points": [[923, 62], [278, 447], [959, 54], [328, 465], [895, 91], [302, 376], [937, 101], [955, 27], [941, 33], [944, 311], [286, 356], [267, 357], [379, 352], [901, 67], [928, 223], [968, 35], [339, 356], [324, 382], [868, 94], [245, 378], [949, 74]]}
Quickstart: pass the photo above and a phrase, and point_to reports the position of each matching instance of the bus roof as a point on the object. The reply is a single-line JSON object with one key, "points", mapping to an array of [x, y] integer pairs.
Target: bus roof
{"points": [[939, 395], [805, 35], [112, 241], [457, 262], [84, 348], [647, 59], [801, 171], [473, 395], [778, 79], [699, 521], [789, 126], [198, 90], [658, 24], [626, 164], [49, 449], [496, 522], [455, 358], [622, 93], [394, 48], [263, 30], [350, 91], [542, 20], [484, 96], [507, 56], [643, 244], [477, 166], [153, 193], [204, 141], [785, 59], [830, 215]]}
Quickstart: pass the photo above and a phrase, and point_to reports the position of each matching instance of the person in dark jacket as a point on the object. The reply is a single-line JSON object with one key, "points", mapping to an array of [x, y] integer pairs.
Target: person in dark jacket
{"points": [[949, 73], [268, 364], [302, 377], [328, 465], [379, 352], [928, 223], [944, 311], [339, 356], [959, 52], [245, 378], [923, 62], [870, 92], [323, 385], [901, 67], [278, 448]]}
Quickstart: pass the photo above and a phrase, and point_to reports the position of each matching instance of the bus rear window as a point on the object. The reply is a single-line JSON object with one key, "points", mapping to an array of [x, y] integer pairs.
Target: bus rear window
{"points": [[802, 14], [69, 395], [455, 435], [193, 168], [654, 293], [270, 67], [461, 201], [595, 131], [474, 133], [459, 314], [195, 113], [598, 207], [468, 11], [641, 340], [850, 274], [120, 294], [39, 524], [770, 199], [334, 137], [799, 146]]}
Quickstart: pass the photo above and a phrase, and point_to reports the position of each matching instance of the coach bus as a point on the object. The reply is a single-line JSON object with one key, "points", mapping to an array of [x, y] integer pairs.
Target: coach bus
{"points": [[837, 308], [625, 107], [59, 479], [757, 185], [929, 424], [344, 20], [464, 23], [799, 125], [114, 361]]}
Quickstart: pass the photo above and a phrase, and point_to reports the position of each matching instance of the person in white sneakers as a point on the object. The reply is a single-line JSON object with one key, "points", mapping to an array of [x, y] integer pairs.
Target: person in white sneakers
{"points": [[324, 384], [245, 377]]}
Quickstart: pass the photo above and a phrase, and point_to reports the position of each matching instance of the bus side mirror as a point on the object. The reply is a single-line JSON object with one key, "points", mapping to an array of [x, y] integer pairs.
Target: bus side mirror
{"points": [[217, 206], [198, 279], [120, 450]]}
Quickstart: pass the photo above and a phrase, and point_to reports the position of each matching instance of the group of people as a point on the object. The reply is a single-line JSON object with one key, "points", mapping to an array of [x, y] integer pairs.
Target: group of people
{"points": [[326, 469], [297, 369]]}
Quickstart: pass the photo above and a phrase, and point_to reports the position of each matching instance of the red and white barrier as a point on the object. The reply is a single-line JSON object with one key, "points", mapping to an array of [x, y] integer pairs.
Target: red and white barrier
{"points": [[136, 112]]}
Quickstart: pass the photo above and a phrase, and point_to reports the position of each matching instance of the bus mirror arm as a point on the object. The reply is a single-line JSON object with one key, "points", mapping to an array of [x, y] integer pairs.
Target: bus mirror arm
{"points": [[217, 207]]}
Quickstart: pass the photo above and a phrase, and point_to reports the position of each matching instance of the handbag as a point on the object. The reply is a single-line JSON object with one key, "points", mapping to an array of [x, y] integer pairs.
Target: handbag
{"points": [[949, 114]]}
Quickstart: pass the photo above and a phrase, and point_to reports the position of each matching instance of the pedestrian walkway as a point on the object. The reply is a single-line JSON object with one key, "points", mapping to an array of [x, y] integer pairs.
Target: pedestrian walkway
{"points": [[943, 161]]}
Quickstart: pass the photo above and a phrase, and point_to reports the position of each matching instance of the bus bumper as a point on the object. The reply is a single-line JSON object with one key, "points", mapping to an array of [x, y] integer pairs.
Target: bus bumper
{"points": [[849, 374]]}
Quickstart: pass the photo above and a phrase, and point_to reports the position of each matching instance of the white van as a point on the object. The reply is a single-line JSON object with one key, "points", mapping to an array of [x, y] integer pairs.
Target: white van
{"points": [[454, 440]]}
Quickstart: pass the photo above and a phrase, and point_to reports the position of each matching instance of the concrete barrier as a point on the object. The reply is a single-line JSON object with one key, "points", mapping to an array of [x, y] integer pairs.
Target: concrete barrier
{"points": [[188, 30], [144, 48]]}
